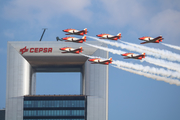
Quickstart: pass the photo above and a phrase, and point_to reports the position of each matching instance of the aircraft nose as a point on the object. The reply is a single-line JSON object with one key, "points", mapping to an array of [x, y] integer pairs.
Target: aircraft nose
{"points": [[65, 30], [90, 60]]}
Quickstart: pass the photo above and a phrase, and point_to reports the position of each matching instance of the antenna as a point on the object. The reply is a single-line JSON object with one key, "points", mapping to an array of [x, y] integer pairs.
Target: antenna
{"points": [[42, 34]]}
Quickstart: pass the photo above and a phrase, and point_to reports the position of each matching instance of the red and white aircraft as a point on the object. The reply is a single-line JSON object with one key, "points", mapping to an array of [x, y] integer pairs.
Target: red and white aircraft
{"points": [[71, 50], [108, 36], [133, 56], [151, 40], [73, 39], [100, 61], [75, 32]]}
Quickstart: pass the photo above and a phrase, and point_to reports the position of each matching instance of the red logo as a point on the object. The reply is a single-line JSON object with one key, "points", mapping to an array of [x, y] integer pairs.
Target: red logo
{"points": [[23, 50], [35, 50]]}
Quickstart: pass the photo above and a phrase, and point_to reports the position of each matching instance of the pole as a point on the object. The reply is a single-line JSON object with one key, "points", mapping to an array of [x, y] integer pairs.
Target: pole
{"points": [[42, 34]]}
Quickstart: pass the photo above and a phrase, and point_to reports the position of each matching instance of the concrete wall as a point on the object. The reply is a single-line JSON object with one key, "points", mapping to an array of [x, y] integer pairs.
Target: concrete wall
{"points": [[96, 87]]}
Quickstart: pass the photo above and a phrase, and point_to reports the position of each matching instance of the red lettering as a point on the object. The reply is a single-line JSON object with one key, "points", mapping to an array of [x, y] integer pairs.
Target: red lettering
{"points": [[40, 49], [45, 50], [36, 50], [50, 50], [31, 50]]}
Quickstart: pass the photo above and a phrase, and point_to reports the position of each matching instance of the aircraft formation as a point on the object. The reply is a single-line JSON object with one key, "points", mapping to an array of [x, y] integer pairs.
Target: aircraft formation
{"points": [[166, 75], [102, 36]]}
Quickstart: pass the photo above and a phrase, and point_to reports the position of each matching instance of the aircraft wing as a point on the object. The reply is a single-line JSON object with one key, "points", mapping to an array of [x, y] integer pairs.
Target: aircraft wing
{"points": [[80, 31], [136, 57], [151, 41], [81, 41], [75, 50], [157, 38], [113, 37], [146, 42], [133, 57], [104, 61], [70, 33]]}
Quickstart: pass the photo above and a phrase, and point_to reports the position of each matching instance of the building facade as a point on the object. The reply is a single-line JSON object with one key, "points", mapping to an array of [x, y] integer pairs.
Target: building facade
{"points": [[25, 59], [55, 107], [2, 114]]}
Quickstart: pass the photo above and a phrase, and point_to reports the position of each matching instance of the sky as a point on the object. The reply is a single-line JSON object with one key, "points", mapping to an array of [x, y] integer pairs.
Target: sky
{"points": [[132, 95]]}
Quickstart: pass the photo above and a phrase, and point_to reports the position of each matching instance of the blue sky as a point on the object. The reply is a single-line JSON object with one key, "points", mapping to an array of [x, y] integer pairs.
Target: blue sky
{"points": [[131, 96]]}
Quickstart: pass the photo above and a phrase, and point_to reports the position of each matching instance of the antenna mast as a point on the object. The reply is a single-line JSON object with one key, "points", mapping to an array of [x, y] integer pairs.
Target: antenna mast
{"points": [[42, 34]]}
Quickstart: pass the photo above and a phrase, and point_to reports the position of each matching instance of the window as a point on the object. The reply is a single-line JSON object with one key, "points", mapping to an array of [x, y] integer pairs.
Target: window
{"points": [[54, 103]]}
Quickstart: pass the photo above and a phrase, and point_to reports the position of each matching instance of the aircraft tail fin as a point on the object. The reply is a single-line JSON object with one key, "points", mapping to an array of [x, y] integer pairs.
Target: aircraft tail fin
{"points": [[81, 49], [57, 38], [119, 35], [144, 54], [110, 60], [85, 30], [161, 38], [84, 38]]}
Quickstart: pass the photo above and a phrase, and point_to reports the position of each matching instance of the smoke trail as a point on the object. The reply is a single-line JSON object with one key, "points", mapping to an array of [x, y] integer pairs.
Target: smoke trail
{"points": [[162, 63], [165, 54], [147, 69], [167, 80], [89, 56], [119, 52], [172, 46], [149, 51]]}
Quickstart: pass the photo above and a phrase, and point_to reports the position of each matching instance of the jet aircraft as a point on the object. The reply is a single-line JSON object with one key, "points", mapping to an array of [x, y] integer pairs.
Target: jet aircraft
{"points": [[108, 36], [71, 50], [75, 32], [72, 39], [100, 61], [151, 40], [133, 56]]}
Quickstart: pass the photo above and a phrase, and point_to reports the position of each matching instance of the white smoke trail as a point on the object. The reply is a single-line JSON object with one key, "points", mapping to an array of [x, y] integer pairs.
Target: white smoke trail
{"points": [[159, 62], [159, 78], [119, 52], [165, 54], [168, 80], [163, 63], [171, 46], [147, 69], [90, 56], [149, 51]]}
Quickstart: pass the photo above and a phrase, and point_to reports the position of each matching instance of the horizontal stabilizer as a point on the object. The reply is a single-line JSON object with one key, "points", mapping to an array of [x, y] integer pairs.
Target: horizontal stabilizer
{"points": [[57, 38]]}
